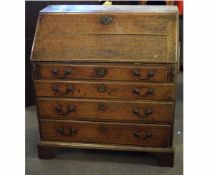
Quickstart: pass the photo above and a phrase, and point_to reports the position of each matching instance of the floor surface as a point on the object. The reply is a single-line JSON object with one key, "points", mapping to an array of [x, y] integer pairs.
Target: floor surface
{"points": [[97, 162]]}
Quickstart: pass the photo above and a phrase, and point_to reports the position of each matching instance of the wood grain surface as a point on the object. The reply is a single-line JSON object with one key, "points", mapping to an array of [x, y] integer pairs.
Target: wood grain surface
{"points": [[105, 90], [73, 71], [91, 24], [64, 47], [105, 78], [147, 37], [105, 110], [112, 133]]}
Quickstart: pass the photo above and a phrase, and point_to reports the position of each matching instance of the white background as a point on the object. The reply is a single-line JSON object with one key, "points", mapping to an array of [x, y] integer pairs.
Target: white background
{"points": [[196, 87]]}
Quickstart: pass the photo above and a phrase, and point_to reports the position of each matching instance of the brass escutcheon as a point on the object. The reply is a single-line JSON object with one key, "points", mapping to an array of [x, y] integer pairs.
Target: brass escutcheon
{"points": [[105, 20]]}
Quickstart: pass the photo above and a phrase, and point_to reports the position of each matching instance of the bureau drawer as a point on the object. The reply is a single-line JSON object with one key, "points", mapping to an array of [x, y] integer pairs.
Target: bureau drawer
{"points": [[104, 110], [111, 90], [102, 71], [107, 133]]}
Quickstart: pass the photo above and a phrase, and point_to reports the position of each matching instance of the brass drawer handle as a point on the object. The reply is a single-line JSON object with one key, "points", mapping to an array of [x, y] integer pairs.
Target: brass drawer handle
{"points": [[69, 89], [70, 108], [148, 92], [142, 135], [136, 112], [103, 128], [101, 72], [101, 88], [136, 91], [136, 73], [55, 73], [60, 130], [70, 132], [56, 89], [150, 74], [101, 107], [66, 72], [105, 20], [59, 109], [136, 134], [147, 112]]}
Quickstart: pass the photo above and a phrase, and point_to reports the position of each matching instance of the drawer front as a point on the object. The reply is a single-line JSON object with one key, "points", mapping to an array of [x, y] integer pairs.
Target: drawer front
{"points": [[111, 90], [104, 72], [102, 48], [103, 110], [107, 133]]}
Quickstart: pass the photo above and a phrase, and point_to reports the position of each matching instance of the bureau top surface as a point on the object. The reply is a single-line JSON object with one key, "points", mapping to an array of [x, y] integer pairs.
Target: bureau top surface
{"points": [[112, 9]]}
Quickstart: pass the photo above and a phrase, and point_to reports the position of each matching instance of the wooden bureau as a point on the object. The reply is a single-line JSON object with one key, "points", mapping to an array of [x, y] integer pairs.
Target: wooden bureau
{"points": [[105, 78]]}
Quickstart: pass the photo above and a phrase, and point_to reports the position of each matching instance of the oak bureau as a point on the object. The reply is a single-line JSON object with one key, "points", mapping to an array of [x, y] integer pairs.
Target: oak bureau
{"points": [[105, 78]]}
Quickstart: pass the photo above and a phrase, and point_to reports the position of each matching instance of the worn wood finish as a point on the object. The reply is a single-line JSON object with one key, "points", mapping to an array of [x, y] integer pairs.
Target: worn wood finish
{"points": [[105, 78], [90, 24], [101, 47], [116, 71], [111, 133], [105, 110], [104, 72], [103, 90], [153, 38]]}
